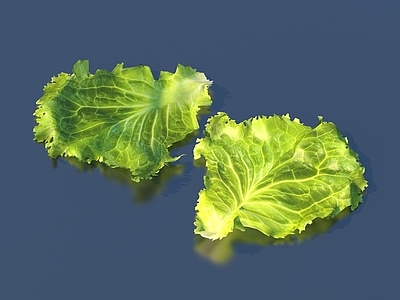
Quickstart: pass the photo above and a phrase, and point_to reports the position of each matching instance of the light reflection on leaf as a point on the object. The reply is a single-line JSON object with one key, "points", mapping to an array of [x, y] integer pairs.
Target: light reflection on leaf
{"points": [[274, 174], [123, 118]]}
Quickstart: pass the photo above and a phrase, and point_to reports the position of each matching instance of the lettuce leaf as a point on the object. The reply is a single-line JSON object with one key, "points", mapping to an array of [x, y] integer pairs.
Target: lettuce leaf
{"points": [[274, 174], [124, 118]]}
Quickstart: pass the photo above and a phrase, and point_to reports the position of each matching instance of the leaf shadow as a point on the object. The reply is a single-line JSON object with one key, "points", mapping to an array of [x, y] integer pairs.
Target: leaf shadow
{"points": [[365, 162], [145, 190], [142, 191], [252, 241]]}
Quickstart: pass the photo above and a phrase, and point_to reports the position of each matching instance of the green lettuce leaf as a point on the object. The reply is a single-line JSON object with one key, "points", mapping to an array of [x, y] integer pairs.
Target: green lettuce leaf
{"points": [[274, 174], [124, 118]]}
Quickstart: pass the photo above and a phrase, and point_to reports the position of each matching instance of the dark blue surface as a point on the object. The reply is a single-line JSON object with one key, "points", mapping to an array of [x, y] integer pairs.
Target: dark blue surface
{"points": [[67, 234]]}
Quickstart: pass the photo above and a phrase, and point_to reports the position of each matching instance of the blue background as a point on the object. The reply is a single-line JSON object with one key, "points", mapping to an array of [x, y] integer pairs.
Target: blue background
{"points": [[67, 234]]}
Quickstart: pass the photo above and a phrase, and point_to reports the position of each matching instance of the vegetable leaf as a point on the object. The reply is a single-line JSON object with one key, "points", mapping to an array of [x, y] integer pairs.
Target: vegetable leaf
{"points": [[274, 174], [124, 118]]}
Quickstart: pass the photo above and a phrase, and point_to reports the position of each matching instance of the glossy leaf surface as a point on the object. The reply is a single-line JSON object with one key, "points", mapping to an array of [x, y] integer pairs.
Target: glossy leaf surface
{"points": [[124, 118], [274, 174]]}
